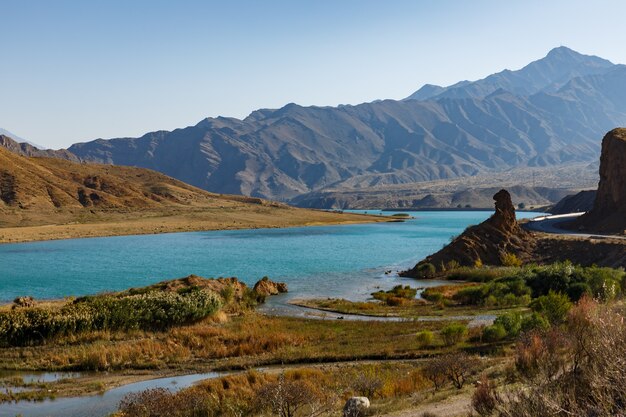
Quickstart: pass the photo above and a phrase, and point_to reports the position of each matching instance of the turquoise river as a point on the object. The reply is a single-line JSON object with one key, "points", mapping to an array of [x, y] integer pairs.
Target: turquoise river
{"points": [[346, 260]]}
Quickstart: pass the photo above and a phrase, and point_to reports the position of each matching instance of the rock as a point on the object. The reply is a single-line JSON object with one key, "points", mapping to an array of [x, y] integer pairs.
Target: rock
{"points": [[609, 209], [20, 302], [268, 287], [356, 406], [485, 243]]}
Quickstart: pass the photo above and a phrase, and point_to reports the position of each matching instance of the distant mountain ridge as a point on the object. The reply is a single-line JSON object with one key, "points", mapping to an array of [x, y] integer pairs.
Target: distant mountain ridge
{"points": [[550, 113], [26, 149], [547, 74]]}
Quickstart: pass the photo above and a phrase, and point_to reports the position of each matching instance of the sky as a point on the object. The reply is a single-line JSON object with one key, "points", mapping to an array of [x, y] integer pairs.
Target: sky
{"points": [[73, 71]]}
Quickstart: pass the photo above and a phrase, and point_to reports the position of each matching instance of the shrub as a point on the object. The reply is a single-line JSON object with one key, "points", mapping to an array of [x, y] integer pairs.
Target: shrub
{"points": [[426, 270], [511, 323], [470, 295], [287, 398], [452, 265], [153, 310], [534, 321], [510, 259], [553, 306], [453, 334], [494, 333], [577, 290], [368, 382], [485, 399], [397, 295], [432, 296], [425, 338]]}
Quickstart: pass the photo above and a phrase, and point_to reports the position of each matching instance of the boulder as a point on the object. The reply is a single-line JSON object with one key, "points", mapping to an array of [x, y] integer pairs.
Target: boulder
{"points": [[21, 302], [268, 287], [356, 406]]}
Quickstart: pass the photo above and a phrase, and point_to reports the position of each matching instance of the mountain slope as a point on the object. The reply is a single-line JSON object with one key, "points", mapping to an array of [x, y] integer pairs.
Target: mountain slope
{"points": [[26, 149], [51, 198], [280, 154]]}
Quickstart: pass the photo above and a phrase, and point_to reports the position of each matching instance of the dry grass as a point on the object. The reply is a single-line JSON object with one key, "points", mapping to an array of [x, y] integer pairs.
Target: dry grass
{"points": [[247, 340]]}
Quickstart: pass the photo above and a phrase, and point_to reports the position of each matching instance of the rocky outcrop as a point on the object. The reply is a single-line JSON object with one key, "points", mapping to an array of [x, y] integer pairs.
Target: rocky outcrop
{"points": [[268, 287], [609, 210], [487, 243]]}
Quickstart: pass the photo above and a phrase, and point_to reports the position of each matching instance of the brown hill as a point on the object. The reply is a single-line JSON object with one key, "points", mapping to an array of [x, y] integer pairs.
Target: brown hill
{"points": [[609, 210], [96, 200], [486, 243]]}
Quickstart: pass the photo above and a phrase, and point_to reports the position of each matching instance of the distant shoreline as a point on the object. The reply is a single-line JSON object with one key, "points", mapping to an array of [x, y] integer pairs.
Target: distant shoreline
{"points": [[181, 223], [537, 210]]}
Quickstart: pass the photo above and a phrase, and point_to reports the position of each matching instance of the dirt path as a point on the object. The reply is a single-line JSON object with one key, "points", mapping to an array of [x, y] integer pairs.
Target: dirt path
{"points": [[454, 406]]}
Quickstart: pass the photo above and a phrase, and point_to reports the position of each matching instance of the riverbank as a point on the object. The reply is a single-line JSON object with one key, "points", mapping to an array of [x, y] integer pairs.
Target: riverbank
{"points": [[103, 224]]}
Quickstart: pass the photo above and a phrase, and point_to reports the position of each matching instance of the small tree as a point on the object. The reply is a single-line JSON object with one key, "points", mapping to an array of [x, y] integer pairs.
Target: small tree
{"points": [[368, 382], [288, 398], [458, 367], [434, 371]]}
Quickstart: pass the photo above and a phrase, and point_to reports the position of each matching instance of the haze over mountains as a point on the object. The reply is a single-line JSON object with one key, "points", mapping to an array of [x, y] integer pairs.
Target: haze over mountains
{"points": [[551, 113]]}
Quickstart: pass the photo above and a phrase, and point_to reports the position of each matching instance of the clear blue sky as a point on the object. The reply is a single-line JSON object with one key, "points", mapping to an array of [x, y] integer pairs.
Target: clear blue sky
{"points": [[73, 71]]}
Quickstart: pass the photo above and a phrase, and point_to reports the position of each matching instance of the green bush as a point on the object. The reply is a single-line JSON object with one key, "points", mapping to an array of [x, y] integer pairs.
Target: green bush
{"points": [[534, 321], [505, 292], [476, 274], [453, 334], [396, 296], [511, 323], [573, 280], [426, 270], [154, 310], [432, 296], [494, 333], [553, 306]]}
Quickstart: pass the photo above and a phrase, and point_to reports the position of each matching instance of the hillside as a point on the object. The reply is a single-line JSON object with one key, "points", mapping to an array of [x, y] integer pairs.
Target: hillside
{"points": [[46, 198], [569, 101]]}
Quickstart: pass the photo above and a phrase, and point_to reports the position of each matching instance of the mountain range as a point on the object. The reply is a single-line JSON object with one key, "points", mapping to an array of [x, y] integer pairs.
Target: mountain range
{"points": [[551, 113]]}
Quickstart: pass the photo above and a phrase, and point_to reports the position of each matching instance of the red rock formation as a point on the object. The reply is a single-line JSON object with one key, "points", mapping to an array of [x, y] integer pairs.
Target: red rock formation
{"points": [[609, 210], [267, 287], [485, 243]]}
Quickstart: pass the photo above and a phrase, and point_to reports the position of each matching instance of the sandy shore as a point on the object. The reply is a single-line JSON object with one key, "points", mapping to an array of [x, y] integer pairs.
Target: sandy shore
{"points": [[232, 218]]}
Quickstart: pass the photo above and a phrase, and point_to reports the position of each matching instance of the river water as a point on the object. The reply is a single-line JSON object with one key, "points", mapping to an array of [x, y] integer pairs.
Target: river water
{"points": [[348, 261]]}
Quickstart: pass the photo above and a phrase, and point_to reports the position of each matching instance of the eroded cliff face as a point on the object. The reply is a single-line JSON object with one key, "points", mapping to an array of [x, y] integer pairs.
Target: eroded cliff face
{"points": [[486, 243], [609, 210]]}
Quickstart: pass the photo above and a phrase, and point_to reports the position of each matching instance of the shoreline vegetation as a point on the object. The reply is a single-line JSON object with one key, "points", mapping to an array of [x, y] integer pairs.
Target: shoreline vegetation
{"points": [[103, 224], [405, 364]]}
